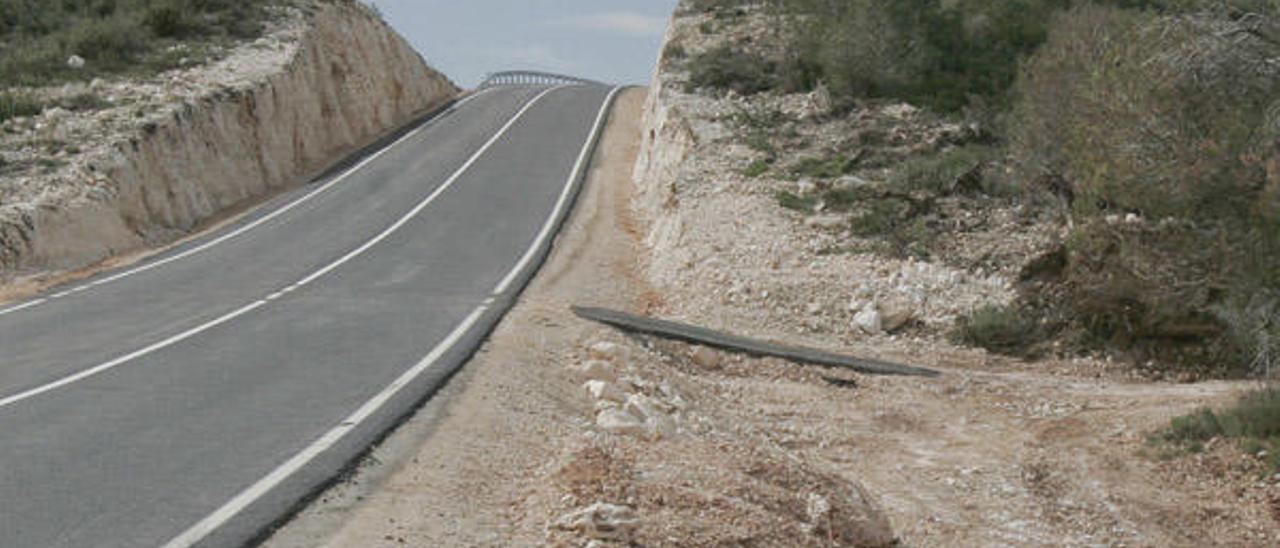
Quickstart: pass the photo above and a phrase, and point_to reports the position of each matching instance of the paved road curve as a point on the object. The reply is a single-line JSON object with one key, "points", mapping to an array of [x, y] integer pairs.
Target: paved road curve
{"points": [[196, 398]]}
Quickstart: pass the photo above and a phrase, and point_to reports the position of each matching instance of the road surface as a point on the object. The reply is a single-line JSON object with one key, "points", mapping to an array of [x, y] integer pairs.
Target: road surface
{"points": [[198, 397]]}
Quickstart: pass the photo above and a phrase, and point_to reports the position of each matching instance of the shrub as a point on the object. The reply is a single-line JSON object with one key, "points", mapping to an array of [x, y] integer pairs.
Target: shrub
{"points": [[949, 171], [824, 168], [756, 169], [1166, 118], [796, 202], [168, 19], [934, 52], [726, 68], [13, 105], [1254, 419], [1001, 329], [114, 35]]}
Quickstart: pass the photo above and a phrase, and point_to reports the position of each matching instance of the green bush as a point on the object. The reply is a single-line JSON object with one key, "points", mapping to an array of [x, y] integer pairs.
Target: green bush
{"points": [[1254, 419], [950, 171], [1172, 120], [115, 36], [933, 52], [13, 105], [1001, 329], [727, 68]]}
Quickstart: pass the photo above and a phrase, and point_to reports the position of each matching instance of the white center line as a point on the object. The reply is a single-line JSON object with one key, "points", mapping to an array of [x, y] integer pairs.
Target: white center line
{"points": [[98, 369]]}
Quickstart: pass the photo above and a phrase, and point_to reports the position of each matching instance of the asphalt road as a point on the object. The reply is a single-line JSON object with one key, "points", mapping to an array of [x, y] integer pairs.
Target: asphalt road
{"points": [[198, 397]]}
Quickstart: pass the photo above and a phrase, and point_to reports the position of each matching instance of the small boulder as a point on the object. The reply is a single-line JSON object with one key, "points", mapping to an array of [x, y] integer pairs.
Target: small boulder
{"points": [[76, 62], [602, 390], [602, 521], [869, 320], [706, 358], [618, 421], [896, 317]]}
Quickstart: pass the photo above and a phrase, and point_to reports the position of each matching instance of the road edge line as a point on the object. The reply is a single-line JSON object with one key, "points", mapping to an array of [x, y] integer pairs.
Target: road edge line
{"points": [[210, 524]]}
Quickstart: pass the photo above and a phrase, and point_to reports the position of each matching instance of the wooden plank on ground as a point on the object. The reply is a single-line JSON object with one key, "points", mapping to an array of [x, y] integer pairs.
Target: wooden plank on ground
{"points": [[754, 347]]}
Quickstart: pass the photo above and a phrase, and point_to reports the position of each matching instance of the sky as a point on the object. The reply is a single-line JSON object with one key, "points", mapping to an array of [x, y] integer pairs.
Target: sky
{"points": [[613, 41]]}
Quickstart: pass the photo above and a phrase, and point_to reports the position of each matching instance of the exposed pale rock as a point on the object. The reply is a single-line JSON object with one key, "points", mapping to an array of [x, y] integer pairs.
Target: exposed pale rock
{"points": [[706, 358], [826, 222], [602, 390], [618, 421], [602, 521], [597, 370], [75, 62], [869, 320]]}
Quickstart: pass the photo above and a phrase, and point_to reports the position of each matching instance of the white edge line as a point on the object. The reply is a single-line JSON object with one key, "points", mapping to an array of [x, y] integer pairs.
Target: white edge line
{"points": [[564, 197], [219, 517], [98, 369], [256, 223]]}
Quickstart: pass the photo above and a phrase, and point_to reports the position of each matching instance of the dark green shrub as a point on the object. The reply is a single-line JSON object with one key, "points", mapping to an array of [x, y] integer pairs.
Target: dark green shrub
{"points": [[726, 68], [13, 105], [1254, 419], [1001, 329]]}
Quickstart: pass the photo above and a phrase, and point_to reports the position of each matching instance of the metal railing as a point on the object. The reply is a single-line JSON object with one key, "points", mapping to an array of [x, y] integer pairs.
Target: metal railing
{"points": [[530, 78]]}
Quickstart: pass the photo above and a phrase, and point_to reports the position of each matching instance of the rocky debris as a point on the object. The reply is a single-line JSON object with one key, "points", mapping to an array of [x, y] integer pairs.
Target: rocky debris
{"points": [[606, 350], [602, 521], [606, 391], [705, 357], [597, 370], [617, 421], [869, 320]]}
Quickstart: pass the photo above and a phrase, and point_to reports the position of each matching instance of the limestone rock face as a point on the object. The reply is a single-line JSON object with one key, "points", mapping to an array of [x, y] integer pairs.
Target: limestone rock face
{"points": [[351, 79]]}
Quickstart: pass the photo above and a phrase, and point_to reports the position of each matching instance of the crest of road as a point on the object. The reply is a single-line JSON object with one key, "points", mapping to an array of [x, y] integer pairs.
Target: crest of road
{"points": [[196, 398]]}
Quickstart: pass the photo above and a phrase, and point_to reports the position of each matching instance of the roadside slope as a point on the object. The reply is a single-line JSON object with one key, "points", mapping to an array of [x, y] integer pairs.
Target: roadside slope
{"points": [[170, 154]]}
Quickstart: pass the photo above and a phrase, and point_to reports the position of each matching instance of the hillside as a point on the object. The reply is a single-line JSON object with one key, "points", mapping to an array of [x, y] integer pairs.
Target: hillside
{"points": [[108, 149]]}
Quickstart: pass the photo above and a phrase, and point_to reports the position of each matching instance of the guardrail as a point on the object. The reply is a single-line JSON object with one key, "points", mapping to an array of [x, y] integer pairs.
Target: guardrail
{"points": [[531, 78]]}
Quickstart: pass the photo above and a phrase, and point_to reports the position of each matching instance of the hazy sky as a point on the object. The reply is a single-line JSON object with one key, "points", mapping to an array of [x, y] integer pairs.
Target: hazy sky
{"points": [[614, 41]]}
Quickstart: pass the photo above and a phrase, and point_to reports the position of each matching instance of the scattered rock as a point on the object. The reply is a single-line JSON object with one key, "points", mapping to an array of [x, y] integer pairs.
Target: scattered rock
{"points": [[602, 390], [896, 317], [869, 320], [602, 521], [706, 358], [597, 370], [605, 350], [826, 222], [618, 421]]}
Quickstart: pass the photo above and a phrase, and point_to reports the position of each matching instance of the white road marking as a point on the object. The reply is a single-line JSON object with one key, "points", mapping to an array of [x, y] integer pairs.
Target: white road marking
{"points": [[127, 357], [98, 369], [256, 223], [219, 517], [550, 225]]}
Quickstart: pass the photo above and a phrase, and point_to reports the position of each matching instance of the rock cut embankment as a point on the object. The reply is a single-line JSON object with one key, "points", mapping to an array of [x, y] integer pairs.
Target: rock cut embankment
{"points": [[342, 79]]}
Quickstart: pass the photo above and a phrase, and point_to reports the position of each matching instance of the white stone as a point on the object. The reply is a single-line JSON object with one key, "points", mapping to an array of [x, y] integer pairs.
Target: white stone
{"points": [[618, 421], [869, 320], [602, 521], [602, 390], [706, 358], [75, 62]]}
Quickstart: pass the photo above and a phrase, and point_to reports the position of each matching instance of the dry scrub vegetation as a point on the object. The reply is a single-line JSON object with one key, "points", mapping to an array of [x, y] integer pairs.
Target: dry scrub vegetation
{"points": [[1149, 130]]}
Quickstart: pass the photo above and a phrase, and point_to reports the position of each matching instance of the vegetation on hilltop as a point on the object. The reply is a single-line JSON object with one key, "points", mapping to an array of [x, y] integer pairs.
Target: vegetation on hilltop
{"points": [[37, 37]]}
